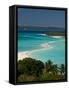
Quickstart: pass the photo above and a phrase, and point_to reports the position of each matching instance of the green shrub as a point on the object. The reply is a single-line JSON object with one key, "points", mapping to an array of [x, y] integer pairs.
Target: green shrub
{"points": [[29, 66]]}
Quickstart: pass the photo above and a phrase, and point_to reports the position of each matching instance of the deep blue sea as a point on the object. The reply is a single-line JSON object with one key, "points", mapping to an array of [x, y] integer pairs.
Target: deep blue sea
{"points": [[32, 40]]}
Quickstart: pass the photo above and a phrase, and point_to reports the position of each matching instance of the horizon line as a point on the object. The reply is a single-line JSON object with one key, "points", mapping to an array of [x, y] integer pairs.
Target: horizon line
{"points": [[38, 26]]}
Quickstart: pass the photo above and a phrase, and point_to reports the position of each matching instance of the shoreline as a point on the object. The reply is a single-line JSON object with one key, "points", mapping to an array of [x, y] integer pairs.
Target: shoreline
{"points": [[27, 54], [57, 36], [44, 46]]}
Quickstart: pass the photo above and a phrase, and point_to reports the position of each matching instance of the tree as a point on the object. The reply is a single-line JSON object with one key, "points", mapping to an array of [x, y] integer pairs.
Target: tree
{"points": [[48, 65], [29, 66], [62, 69], [39, 67], [51, 68], [55, 69]]}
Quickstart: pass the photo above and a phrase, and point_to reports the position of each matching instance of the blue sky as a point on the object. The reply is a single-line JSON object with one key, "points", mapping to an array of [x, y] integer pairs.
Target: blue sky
{"points": [[38, 17]]}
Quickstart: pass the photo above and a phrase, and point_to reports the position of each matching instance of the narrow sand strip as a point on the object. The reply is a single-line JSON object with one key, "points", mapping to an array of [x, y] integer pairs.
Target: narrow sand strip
{"points": [[26, 54], [57, 36]]}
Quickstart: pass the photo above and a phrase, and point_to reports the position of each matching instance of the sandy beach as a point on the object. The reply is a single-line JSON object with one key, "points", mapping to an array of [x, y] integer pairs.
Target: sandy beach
{"points": [[26, 54], [56, 36]]}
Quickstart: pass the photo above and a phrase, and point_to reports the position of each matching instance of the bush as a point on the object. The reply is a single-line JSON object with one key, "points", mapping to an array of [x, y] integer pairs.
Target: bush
{"points": [[26, 78], [35, 70], [29, 66]]}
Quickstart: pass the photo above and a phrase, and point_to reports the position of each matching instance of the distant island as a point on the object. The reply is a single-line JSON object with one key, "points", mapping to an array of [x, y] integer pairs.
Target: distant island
{"points": [[42, 28], [55, 33], [51, 31]]}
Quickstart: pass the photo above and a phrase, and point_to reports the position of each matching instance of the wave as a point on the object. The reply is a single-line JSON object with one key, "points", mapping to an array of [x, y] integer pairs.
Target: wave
{"points": [[44, 46], [42, 34], [56, 41], [26, 54]]}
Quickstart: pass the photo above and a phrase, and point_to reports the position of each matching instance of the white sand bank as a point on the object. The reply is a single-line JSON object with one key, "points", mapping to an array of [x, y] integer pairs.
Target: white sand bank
{"points": [[57, 36]]}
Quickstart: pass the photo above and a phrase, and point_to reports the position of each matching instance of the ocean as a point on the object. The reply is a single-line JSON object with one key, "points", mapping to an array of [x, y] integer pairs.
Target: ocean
{"points": [[32, 40]]}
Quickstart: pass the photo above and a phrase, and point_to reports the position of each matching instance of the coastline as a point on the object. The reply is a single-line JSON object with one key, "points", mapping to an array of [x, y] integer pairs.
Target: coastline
{"points": [[57, 36], [27, 54], [44, 46]]}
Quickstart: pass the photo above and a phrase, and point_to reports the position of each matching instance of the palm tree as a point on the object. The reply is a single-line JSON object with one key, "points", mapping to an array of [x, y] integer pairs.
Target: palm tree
{"points": [[49, 66], [62, 69], [55, 69]]}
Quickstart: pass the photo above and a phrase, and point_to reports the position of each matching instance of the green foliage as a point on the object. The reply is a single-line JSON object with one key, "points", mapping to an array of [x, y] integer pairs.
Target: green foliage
{"points": [[34, 70], [26, 78], [62, 68], [30, 66], [55, 69], [56, 33], [48, 66], [49, 76]]}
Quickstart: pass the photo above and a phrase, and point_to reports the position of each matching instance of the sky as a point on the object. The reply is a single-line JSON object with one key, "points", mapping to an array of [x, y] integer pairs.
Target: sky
{"points": [[41, 17]]}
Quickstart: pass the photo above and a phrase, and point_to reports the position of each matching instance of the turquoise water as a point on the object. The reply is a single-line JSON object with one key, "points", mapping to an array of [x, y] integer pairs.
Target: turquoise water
{"points": [[28, 41], [56, 54]]}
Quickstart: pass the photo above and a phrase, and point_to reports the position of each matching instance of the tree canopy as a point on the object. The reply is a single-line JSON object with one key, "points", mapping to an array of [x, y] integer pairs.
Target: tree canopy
{"points": [[30, 66]]}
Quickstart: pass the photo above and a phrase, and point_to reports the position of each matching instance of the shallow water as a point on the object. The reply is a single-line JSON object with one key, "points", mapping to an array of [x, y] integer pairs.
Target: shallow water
{"points": [[28, 41]]}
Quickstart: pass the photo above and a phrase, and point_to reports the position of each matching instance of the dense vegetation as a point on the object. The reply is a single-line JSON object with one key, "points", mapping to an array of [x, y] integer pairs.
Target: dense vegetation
{"points": [[56, 33], [35, 70]]}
